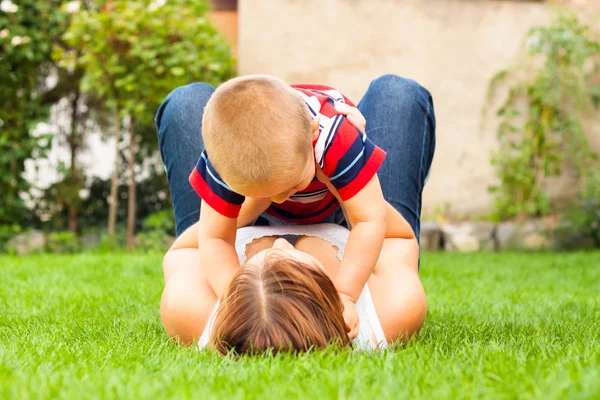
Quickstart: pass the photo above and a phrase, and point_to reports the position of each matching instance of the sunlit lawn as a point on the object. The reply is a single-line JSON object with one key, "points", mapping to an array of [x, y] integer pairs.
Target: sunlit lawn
{"points": [[499, 326]]}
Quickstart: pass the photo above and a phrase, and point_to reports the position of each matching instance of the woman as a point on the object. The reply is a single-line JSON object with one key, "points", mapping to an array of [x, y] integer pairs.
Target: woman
{"points": [[392, 306], [400, 120]]}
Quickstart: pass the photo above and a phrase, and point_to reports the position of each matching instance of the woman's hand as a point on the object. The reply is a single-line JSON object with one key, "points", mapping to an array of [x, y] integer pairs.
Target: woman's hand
{"points": [[353, 115]]}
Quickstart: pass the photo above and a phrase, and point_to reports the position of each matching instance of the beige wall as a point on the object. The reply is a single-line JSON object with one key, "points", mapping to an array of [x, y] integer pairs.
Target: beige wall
{"points": [[451, 47], [227, 24]]}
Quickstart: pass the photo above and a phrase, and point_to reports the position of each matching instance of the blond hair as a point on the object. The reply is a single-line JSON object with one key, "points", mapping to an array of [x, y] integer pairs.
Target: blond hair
{"points": [[282, 306], [256, 128]]}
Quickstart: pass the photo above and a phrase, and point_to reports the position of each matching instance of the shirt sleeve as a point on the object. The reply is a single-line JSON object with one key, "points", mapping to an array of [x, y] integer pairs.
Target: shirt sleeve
{"points": [[211, 188], [351, 159]]}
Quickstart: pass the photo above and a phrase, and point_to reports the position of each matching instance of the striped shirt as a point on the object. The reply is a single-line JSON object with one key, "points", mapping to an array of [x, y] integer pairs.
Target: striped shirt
{"points": [[345, 154]]}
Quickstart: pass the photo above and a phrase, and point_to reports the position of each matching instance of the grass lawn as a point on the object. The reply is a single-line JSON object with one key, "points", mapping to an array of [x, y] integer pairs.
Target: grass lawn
{"points": [[499, 326]]}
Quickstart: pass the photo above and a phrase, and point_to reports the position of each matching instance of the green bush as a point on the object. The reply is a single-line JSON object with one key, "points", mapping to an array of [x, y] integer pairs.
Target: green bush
{"points": [[559, 92], [106, 245], [62, 242], [28, 28], [583, 216], [161, 220], [157, 233], [7, 232], [154, 240]]}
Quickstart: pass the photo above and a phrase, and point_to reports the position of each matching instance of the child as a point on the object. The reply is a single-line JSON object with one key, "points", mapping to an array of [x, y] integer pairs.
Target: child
{"points": [[289, 154]]}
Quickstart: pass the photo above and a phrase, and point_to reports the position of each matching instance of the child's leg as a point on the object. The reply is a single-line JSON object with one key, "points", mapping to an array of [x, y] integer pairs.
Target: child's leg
{"points": [[400, 120]]}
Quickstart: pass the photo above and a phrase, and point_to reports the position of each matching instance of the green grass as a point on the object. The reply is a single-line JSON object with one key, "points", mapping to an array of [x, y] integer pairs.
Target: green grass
{"points": [[499, 326]]}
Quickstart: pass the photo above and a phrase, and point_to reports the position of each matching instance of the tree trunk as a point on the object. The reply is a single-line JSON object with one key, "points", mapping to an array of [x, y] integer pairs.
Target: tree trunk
{"points": [[131, 208], [73, 178], [114, 186]]}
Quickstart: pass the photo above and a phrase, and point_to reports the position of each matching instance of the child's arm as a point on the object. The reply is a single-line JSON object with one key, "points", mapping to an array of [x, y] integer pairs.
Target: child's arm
{"points": [[216, 244], [371, 219], [367, 214], [397, 226], [251, 210]]}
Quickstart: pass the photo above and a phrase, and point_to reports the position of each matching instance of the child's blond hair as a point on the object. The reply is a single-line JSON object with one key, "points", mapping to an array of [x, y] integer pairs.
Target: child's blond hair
{"points": [[256, 129]]}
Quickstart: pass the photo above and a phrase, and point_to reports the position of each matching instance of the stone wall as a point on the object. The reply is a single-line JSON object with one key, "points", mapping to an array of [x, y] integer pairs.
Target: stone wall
{"points": [[451, 47]]}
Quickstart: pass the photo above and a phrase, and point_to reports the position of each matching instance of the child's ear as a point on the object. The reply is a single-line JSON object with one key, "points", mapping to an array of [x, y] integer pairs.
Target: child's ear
{"points": [[315, 128]]}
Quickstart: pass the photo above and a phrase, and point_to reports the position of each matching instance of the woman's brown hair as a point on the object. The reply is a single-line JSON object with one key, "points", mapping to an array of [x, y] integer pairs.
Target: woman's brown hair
{"points": [[282, 306]]}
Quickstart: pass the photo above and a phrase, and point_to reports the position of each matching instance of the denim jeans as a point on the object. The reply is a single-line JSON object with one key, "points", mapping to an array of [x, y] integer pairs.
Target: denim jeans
{"points": [[400, 120]]}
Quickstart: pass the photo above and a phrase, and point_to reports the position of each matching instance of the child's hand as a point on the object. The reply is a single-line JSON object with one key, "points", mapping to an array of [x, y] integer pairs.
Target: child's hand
{"points": [[350, 315], [353, 115]]}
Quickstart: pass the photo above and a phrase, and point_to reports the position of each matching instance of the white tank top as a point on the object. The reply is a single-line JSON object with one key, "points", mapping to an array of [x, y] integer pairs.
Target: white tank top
{"points": [[370, 334]]}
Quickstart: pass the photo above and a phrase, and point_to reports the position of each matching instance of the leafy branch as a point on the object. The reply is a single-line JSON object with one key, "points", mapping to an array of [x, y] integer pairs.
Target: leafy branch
{"points": [[562, 89]]}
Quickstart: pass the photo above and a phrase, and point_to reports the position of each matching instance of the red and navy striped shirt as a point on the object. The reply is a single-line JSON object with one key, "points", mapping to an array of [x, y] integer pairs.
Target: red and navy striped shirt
{"points": [[345, 154]]}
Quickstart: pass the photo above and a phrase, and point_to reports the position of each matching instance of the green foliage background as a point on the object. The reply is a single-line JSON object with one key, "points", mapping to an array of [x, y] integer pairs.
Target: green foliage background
{"points": [[26, 39], [560, 84], [103, 56]]}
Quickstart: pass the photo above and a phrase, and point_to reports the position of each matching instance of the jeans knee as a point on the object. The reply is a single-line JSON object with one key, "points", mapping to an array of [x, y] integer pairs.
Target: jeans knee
{"points": [[194, 95], [395, 86], [193, 92]]}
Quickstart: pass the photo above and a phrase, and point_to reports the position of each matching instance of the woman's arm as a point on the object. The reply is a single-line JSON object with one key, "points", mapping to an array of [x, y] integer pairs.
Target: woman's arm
{"points": [[187, 240], [397, 227], [397, 291]]}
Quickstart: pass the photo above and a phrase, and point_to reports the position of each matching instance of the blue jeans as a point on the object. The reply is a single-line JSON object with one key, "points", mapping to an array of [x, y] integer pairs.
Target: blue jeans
{"points": [[400, 120]]}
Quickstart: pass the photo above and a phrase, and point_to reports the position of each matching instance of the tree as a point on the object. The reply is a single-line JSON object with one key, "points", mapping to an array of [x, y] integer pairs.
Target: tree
{"points": [[72, 117], [27, 31], [152, 195], [134, 53]]}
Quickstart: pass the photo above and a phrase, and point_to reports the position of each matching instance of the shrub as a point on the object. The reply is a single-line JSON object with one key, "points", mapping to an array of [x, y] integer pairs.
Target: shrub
{"points": [[161, 220], [62, 242], [158, 231], [154, 240], [558, 93], [583, 216]]}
